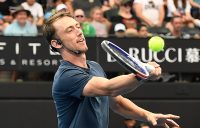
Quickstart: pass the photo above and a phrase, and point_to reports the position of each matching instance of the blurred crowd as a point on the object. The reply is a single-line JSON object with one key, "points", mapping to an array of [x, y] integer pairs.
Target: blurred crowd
{"points": [[104, 18]]}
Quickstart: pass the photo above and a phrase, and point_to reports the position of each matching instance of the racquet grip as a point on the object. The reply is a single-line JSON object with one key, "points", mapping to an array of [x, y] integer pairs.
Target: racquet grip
{"points": [[149, 67]]}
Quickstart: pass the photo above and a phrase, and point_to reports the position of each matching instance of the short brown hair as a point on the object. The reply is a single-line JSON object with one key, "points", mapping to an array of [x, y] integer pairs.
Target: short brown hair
{"points": [[49, 30]]}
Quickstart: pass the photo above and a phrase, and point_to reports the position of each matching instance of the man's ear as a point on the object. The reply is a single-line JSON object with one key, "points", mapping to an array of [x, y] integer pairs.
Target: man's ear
{"points": [[55, 44]]}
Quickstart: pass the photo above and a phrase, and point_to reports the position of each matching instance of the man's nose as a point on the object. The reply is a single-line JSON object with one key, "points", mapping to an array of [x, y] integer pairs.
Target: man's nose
{"points": [[79, 31]]}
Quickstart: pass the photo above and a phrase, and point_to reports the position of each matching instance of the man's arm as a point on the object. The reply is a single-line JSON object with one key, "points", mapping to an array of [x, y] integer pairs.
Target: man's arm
{"points": [[129, 110], [98, 86]]}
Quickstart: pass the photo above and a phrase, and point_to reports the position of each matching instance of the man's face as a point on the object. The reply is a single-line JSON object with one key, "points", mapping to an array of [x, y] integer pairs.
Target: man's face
{"points": [[143, 32], [68, 30], [21, 18], [177, 23], [79, 16], [97, 15]]}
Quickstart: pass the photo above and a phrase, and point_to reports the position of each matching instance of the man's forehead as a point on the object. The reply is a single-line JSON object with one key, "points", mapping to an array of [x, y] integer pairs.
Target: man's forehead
{"points": [[65, 21], [79, 12]]}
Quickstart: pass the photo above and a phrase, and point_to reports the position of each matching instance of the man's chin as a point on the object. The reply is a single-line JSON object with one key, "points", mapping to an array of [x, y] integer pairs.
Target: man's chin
{"points": [[84, 50]]}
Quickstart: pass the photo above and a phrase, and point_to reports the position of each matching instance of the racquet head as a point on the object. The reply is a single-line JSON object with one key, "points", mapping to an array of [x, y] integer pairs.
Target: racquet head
{"points": [[123, 58]]}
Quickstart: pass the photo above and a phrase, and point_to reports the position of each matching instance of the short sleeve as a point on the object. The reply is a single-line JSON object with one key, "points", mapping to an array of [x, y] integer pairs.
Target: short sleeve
{"points": [[40, 11], [72, 82]]}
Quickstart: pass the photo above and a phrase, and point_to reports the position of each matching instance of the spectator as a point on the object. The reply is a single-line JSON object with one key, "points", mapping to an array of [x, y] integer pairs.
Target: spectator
{"points": [[195, 11], [113, 11], [36, 10], [69, 5], [120, 30], [151, 12], [58, 5], [21, 26], [3, 25], [7, 76], [106, 5], [101, 24], [180, 8], [176, 28], [195, 3], [87, 28], [61, 7], [86, 5], [51, 8], [125, 16], [114, 3], [183, 9], [5, 10], [143, 31]]}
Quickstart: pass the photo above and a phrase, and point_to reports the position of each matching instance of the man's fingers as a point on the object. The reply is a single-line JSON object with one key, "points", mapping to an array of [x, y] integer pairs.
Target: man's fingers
{"points": [[172, 123], [152, 120], [158, 71], [168, 116], [171, 116], [166, 126], [154, 64]]}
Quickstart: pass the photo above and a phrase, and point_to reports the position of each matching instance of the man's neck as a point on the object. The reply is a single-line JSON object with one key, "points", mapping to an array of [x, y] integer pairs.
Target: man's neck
{"points": [[79, 60]]}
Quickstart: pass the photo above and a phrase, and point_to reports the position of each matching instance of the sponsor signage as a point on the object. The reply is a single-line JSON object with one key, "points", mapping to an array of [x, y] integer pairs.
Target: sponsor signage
{"points": [[33, 53]]}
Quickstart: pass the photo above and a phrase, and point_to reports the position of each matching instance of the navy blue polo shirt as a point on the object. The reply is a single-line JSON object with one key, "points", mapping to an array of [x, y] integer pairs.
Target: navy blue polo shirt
{"points": [[73, 109]]}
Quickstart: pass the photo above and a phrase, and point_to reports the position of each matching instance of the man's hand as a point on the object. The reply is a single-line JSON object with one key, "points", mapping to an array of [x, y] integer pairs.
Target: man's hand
{"points": [[162, 120], [155, 74]]}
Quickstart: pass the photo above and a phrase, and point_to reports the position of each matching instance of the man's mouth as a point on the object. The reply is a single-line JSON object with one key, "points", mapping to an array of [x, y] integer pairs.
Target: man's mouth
{"points": [[81, 40]]}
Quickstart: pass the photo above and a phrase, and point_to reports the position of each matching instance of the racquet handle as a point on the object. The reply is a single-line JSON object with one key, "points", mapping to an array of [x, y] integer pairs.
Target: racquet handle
{"points": [[149, 67]]}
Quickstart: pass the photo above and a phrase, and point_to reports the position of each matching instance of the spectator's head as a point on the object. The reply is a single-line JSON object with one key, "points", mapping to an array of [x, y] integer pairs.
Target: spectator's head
{"points": [[21, 15], [126, 5], [142, 30], [61, 8], [31, 18], [96, 14], [116, 3], [79, 15], [177, 23], [30, 2], [1, 25], [119, 30]]}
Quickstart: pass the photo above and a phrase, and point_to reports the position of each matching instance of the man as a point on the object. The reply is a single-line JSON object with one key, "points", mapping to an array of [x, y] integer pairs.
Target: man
{"points": [[143, 31], [21, 26], [80, 90], [150, 12], [87, 28], [175, 27], [120, 30], [36, 10]]}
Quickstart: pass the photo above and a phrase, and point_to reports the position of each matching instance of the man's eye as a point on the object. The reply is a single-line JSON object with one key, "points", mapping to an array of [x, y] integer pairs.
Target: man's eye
{"points": [[78, 26], [69, 29]]}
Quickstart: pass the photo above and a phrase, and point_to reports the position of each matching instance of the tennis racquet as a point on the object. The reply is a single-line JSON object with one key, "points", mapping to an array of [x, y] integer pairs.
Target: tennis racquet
{"points": [[140, 69]]}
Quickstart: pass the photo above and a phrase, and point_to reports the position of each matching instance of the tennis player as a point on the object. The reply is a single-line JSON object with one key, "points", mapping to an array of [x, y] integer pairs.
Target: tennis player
{"points": [[81, 91]]}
